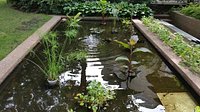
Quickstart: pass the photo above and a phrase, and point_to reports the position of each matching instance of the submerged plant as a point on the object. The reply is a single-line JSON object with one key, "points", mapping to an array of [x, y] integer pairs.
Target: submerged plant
{"points": [[128, 60], [97, 96]]}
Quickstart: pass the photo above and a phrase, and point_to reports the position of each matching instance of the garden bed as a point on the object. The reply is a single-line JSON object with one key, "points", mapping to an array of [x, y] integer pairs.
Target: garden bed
{"points": [[186, 23], [191, 78]]}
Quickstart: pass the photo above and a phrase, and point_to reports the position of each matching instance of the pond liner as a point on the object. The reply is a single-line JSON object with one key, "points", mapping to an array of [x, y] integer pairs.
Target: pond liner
{"points": [[9, 63], [191, 78]]}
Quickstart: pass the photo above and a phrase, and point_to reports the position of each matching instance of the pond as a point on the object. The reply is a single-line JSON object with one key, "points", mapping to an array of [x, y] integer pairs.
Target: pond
{"points": [[26, 89]]}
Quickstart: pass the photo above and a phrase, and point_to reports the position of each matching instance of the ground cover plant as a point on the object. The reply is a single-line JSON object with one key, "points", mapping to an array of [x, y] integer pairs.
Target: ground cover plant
{"points": [[16, 26], [189, 53], [192, 10]]}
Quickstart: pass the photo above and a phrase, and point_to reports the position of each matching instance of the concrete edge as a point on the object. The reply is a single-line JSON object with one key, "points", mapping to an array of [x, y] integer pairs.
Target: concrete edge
{"points": [[189, 17], [8, 64], [192, 79]]}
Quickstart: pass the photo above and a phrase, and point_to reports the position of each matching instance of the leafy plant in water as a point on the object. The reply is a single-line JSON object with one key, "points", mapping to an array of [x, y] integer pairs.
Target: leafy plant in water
{"points": [[72, 28], [103, 6], [197, 109], [97, 96], [115, 12], [127, 24], [76, 56], [54, 59], [131, 46]]}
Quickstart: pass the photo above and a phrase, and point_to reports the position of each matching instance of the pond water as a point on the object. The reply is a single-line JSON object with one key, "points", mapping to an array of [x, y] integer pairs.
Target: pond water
{"points": [[26, 90]]}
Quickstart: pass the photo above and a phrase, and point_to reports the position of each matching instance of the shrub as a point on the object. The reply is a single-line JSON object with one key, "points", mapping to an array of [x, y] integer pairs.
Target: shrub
{"points": [[192, 10], [94, 9], [86, 7]]}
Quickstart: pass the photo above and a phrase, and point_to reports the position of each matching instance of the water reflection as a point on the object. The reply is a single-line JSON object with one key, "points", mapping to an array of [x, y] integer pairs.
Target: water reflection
{"points": [[27, 90]]}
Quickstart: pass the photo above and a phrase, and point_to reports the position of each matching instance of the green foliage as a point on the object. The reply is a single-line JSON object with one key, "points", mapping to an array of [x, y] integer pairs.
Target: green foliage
{"points": [[97, 96], [76, 56], [95, 8], [197, 109], [56, 6], [131, 46], [192, 10], [72, 28], [103, 6], [54, 60], [51, 51], [126, 23], [125, 45], [71, 34], [73, 22], [190, 53]]}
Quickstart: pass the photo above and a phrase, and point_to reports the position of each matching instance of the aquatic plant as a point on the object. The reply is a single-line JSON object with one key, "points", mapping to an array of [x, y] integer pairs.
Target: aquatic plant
{"points": [[115, 12], [97, 96], [127, 24], [197, 109], [189, 53], [54, 60], [76, 56], [72, 29], [73, 22], [131, 46], [103, 6]]}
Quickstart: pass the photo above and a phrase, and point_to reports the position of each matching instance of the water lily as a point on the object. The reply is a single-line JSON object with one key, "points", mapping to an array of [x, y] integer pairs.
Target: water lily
{"points": [[133, 40]]}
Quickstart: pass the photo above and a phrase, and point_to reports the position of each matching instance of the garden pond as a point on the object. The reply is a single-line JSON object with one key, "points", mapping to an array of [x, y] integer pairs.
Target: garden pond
{"points": [[26, 89]]}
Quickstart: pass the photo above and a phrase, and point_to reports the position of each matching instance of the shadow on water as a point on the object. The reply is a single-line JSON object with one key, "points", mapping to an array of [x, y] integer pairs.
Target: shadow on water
{"points": [[26, 90]]}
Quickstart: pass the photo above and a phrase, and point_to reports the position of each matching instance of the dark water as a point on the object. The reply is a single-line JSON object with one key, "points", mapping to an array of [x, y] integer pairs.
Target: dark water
{"points": [[26, 90]]}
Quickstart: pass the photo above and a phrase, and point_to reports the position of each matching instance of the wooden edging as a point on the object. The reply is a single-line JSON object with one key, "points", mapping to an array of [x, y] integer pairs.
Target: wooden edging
{"points": [[8, 64], [192, 79], [186, 23]]}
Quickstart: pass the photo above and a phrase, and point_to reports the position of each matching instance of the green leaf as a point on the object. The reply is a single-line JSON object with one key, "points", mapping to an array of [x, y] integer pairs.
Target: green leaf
{"points": [[122, 58], [81, 103], [142, 49], [125, 45], [197, 109]]}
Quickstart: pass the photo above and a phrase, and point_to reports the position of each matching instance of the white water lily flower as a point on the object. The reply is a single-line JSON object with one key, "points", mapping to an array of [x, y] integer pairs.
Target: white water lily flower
{"points": [[133, 40]]}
